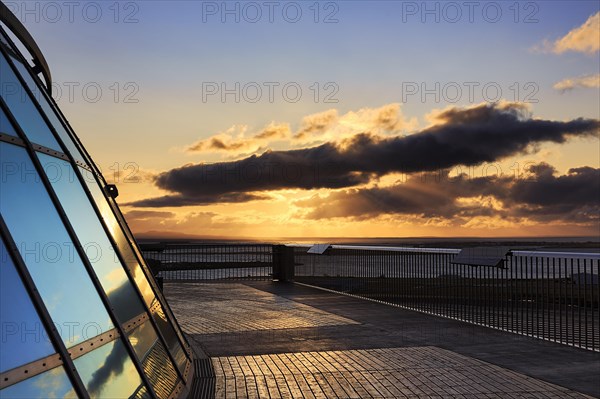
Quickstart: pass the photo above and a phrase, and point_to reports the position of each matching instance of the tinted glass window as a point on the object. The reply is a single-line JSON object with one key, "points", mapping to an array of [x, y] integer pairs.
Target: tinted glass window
{"points": [[48, 251], [24, 338], [48, 110], [117, 233], [22, 107], [122, 296], [51, 384], [169, 333], [108, 372], [155, 360], [140, 278], [5, 126]]}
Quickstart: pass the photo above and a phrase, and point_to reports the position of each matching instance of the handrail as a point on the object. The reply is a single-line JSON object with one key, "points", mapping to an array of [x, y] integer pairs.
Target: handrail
{"points": [[399, 249], [554, 254]]}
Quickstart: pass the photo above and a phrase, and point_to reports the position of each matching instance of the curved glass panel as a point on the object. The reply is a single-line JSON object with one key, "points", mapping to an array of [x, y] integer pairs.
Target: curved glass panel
{"points": [[51, 384], [47, 249], [108, 372], [5, 126], [169, 334], [24, 338], [48, 110], [124, 247], [101, 254], [21, 106], [155, 360]]}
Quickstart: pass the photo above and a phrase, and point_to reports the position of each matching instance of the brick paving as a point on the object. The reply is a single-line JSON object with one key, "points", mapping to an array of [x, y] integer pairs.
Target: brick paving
{"points": [[224, 308], [418, 372], [269, 340]]}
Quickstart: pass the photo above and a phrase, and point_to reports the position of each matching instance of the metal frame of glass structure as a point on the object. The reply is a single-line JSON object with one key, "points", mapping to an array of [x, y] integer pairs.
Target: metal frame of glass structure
{"points": [[81, 313]]}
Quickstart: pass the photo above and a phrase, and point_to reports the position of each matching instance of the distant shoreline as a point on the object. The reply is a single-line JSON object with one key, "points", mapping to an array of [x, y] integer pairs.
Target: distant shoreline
{"points": [[591, 244]]}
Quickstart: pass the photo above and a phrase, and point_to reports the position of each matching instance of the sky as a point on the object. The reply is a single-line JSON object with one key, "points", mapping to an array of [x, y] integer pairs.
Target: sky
{"points": [[335, 118]]}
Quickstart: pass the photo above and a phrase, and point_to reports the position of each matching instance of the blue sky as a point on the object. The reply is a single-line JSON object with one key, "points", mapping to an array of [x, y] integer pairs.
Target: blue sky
{"points": [[171, 50]]}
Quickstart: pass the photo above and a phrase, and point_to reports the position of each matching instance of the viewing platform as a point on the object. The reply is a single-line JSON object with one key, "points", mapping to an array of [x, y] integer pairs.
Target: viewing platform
{"points": [[264, 339], [340, 321]]}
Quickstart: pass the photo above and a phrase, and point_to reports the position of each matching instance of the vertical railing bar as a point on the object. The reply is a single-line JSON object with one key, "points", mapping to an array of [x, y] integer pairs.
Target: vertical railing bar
{"points": [[525, 327], [596, 342], [546, 314], [585, 307], [519, 290], [563, 301], [554, 334], [572, 311], [579, 300], [544, 301], [537, 296]]}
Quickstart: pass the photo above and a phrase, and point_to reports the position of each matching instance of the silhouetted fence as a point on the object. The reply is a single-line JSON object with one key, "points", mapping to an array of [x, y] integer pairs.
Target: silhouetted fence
{"points": [[210, 261], [549, 295]]}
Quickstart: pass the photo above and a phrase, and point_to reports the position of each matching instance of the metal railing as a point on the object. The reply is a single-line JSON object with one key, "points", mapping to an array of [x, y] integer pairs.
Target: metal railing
{"points": [[210, 261], [548, 295]]}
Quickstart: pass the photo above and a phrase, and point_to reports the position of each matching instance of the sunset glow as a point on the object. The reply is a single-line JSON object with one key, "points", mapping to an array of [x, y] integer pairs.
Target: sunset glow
{"points": [[381, 121]]}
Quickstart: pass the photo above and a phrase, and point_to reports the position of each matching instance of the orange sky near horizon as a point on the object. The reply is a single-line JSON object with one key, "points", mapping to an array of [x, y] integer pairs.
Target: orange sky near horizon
{"points": [[508, 109]]}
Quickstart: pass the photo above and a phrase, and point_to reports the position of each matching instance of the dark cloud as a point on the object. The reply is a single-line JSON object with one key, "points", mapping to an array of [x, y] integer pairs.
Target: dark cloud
{"points": [[183, 200], [113, 366], [471, 136], [542, 196]]}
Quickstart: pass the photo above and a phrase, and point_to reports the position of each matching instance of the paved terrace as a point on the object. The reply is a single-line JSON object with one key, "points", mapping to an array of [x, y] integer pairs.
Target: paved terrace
{"points": [[277, 340]]}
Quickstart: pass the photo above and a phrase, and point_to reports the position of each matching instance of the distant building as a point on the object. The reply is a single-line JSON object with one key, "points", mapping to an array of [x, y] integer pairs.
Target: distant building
{"points": [[81, 314]]}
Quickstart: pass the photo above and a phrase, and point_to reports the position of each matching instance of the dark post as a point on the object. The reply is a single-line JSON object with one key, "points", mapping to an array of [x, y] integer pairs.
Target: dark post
{"points": [[283, 263]]}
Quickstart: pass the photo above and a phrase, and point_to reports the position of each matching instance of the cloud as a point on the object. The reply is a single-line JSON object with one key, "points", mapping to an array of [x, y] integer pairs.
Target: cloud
{"points": [[587, 81], [193, 199], [130, 173], [113, 365], [583, 39], [462, 136], [188, 223], [316, 128], [234, 139], [542, 196], [317, 124], [146, 215], [329, 126]]}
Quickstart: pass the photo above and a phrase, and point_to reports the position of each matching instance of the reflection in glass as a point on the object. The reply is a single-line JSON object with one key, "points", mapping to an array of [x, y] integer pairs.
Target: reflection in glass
{"points": [[47, 249], [51, 384], [155, 361], [133, 244], [23, 109], [48, 110], [124, 247], [121, 294], [5, 126], [169, 334], [117, 233], [24, 338], [108, 372]]}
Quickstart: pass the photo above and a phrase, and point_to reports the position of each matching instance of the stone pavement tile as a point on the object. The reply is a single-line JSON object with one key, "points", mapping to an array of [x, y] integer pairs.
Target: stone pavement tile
{"points": [[416, 372], [230, 307]]}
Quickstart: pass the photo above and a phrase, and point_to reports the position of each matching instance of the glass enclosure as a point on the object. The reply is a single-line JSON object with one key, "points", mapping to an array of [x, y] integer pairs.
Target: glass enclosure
{"points": [[79, 312]]}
